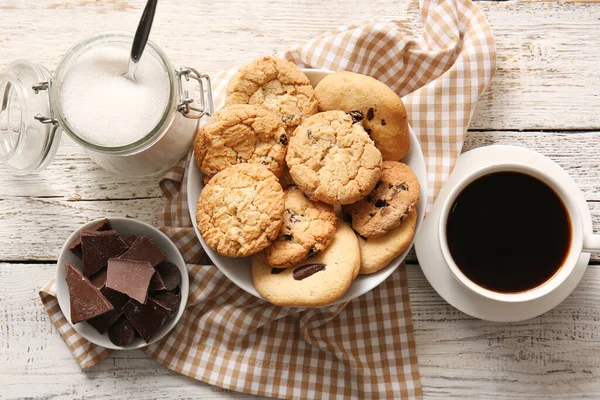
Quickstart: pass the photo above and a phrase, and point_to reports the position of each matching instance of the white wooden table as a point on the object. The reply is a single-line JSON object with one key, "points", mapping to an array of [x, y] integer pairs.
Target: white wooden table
{"points": [[546, 96]]}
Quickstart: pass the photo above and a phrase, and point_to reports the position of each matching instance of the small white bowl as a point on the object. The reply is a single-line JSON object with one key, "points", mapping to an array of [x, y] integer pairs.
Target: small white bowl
{"points": [[125, 227]]}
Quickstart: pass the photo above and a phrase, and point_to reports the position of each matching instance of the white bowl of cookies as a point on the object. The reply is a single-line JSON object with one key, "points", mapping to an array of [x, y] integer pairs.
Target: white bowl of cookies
{"points": [[307, 188]]}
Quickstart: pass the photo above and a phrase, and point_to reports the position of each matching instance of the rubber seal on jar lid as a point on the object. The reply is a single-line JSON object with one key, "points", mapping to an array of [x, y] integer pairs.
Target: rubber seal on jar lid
{"points": [[27, 144]]}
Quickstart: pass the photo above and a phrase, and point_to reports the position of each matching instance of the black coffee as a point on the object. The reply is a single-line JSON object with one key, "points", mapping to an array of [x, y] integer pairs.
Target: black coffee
{"points": [[508, 232]]}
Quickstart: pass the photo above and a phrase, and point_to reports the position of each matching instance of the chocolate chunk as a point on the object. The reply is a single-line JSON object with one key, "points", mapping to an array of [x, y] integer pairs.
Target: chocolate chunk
{"points": [[379, 183], [122, 333], [104, 321], [130, 277], [402, 186], [148, 318], [169, 300], [144, 249], [156, 283], [276, 271], [356, 115], [130, 239], [170, 274], [381, 203], [288, 237], [383, 122], [75, 247], [312, 252], [98, 247], [85, 299], [370, 114], [307, 270], [283, 139], [371, 214], [294, 218], [368, 131], [99, 279]]}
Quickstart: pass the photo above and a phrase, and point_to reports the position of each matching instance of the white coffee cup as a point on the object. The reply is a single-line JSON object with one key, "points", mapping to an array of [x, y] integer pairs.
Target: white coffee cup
{"points": [[580, 241]]}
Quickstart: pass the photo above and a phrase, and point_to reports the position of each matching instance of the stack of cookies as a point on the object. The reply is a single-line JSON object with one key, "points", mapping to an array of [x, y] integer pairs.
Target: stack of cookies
{"points": [[282, 162]]}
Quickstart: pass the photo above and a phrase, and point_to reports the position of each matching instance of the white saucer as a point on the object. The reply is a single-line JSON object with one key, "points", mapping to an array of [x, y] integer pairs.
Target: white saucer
{"points": [[440, 277]]}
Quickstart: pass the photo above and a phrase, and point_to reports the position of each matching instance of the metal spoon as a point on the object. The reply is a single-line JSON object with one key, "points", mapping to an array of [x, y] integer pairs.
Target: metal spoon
{"points": [[141, 38]]}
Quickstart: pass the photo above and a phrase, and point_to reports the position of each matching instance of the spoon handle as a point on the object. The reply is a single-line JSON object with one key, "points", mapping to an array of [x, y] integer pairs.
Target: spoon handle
{"points": [[143, 31]]}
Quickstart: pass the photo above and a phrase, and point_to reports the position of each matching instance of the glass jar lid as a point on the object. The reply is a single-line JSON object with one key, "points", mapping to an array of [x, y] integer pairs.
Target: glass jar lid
{"points": [[29, 135]]}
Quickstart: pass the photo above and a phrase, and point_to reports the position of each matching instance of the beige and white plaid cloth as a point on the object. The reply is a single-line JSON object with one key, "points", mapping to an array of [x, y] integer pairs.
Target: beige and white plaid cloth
{"points": [[365, 348]]}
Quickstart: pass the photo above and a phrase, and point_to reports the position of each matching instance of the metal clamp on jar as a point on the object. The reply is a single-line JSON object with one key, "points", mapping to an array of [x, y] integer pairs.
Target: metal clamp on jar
{"points": [[34, 112]]}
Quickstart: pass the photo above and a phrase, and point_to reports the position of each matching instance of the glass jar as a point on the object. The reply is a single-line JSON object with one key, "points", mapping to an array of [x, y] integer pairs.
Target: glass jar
{"points": [[32, 115]]}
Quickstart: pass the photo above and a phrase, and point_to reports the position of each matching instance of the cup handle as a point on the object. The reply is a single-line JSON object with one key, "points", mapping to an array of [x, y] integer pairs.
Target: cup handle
{"points": [[591, 243]]}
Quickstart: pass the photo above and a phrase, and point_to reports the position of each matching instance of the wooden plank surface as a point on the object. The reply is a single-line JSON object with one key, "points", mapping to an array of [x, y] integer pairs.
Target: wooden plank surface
{"points": [[539, 44], [552, 356], [547, 84]]}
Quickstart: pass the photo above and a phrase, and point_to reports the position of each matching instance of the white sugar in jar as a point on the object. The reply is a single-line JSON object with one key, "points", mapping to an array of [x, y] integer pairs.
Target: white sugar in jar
{"points": [[106, 108], [130, 128]]}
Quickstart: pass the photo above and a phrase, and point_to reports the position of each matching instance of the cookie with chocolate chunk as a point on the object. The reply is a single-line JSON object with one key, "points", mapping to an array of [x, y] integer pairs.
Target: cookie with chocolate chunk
{"points": [[378, 108], [240, 210], [376, 253], [277, 85], [332, 159], [238, 134], [316, 281], [395, 195], [308, 228]]}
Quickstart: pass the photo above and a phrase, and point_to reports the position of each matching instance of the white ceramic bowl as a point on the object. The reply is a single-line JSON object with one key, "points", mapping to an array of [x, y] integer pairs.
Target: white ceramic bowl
{"points": [[125, 227], [239, 270]]}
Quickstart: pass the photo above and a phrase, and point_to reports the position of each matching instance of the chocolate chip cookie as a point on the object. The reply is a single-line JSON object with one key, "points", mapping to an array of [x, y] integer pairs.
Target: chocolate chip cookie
{"points": [[332, 159], [237, 134], [316, 281], [277, 85], [377, 253], [308, 228], [240, 210], [374, 104], [395, 195]]}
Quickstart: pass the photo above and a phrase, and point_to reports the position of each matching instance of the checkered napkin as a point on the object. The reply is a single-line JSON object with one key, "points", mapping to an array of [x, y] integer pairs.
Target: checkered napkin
{"points": [[364, 348]]}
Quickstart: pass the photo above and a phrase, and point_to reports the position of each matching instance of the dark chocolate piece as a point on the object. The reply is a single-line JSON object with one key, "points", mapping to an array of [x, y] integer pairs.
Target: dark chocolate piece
{"points": [[370, 113], [99, 279], [156, 283], [169, 300], [122, 333], [98, 247], [304, 271], [130, 277], [283, 139], [130, 239], [276, 271], [85, 299], [104, 321], [170, 274], [75, 247], [148, 318], [356, 115], [381, 203], [144, 249]]}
